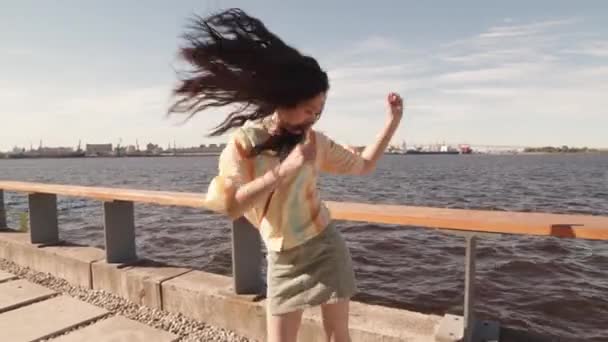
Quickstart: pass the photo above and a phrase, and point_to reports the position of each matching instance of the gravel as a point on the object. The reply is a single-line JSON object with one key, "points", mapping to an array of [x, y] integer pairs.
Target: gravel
{"points": [[187, 329]]}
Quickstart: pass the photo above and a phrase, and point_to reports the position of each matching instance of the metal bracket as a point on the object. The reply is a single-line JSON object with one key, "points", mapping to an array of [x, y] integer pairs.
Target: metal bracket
{"points": [[451, 329], [485, 331], [466, 233]]}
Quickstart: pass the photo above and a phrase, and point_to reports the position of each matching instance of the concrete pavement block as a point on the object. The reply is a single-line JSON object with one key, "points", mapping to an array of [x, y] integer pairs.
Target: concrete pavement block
{"points": [[14, 294], [12, 241], [72, 263], [207, 297], [118, 329], [370, 323], [450, 329], [5, 276], [47, 318], [140, 284], [108, 277]]}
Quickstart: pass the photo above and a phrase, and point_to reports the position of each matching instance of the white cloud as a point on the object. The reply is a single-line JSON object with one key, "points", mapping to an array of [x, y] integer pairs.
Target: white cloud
{"points": [[592, 48], [517, 75], [590, 73], [379, 49], [18, 51], [510, 43], [510, 31], [482, 91], [379, 43], [371, 70], [8, 94], [129, 102], [505, 72], [511, 75], [62, 118], [487, 56]]}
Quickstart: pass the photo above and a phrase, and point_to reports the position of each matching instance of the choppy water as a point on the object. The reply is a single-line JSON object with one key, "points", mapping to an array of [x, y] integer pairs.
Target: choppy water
{"points": [[546, 285]]}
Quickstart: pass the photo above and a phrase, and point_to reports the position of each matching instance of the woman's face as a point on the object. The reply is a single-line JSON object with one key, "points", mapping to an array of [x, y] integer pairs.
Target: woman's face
{"points": [[299, 119]]}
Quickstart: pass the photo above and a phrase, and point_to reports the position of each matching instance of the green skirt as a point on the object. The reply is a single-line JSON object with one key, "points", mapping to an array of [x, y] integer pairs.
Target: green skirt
{"points": [[316, 272]]}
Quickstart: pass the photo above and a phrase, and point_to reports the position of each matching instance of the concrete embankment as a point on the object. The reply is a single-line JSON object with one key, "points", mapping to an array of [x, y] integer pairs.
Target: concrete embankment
{"points": [[166, 295]]}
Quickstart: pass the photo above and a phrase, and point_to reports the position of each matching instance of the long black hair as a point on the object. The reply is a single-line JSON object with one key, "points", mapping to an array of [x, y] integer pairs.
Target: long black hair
{"points": [[236, 60]]}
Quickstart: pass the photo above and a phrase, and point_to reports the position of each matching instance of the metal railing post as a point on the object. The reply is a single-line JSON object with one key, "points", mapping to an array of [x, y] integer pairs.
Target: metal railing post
{"points": [[119, 231], [468, 328], [43, 218], [246, 258], [469, 288], [2, 211]]}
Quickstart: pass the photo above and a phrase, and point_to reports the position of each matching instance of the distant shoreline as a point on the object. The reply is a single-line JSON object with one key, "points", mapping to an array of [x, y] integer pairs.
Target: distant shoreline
{"points": [[113, 157], [502, 153], [217, 155]]}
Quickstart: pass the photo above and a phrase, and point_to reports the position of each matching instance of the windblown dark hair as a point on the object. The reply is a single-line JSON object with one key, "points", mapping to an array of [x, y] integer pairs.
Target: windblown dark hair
{"points": [[235, 60]]}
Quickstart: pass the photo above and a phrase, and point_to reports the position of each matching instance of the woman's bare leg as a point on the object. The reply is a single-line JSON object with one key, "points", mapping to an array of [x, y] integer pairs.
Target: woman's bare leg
{"points": [[335, 321], [283, 328]]}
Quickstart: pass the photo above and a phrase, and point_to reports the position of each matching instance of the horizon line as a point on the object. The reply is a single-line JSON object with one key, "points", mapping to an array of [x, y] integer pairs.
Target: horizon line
{"points": [[398, 144]]}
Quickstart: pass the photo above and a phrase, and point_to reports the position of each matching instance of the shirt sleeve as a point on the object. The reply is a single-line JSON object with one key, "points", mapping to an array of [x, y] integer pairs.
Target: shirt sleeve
{"points": [[337, 158], [234, 169]]}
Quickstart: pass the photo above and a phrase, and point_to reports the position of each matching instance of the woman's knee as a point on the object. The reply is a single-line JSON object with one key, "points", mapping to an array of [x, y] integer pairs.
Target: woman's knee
{"points": [[284, 327]]}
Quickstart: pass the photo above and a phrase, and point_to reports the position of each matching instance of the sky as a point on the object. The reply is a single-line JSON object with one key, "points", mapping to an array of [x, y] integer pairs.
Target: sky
{"points": [[516, 73]]}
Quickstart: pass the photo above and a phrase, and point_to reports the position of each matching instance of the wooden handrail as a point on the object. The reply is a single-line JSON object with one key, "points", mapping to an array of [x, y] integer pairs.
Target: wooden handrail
{"points": [[182, 199], [502, 222], [559, 225]]}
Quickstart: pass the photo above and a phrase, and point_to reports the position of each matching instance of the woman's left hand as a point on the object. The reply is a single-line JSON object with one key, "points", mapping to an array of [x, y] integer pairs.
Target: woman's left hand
{"points": [[395, 103]]}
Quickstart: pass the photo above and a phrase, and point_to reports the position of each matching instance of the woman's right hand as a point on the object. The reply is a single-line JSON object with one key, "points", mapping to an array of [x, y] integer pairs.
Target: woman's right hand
{"points": [[303, 153]]}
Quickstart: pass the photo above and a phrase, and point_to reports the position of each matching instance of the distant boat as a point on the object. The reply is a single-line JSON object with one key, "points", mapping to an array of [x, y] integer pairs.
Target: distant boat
{"points": [[431, 152], [443, 150]]}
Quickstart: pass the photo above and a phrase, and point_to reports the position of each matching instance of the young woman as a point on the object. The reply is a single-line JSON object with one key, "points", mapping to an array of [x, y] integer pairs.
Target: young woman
{"points": [[269, 168]]}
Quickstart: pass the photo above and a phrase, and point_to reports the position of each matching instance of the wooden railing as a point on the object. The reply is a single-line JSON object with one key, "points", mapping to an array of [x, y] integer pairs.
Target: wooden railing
{"points": [[559, 225], [119, 226]]}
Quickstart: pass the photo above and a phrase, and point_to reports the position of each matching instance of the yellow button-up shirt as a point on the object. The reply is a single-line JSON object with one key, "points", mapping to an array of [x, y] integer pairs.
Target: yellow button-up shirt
{"points": [[294, 212]]}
